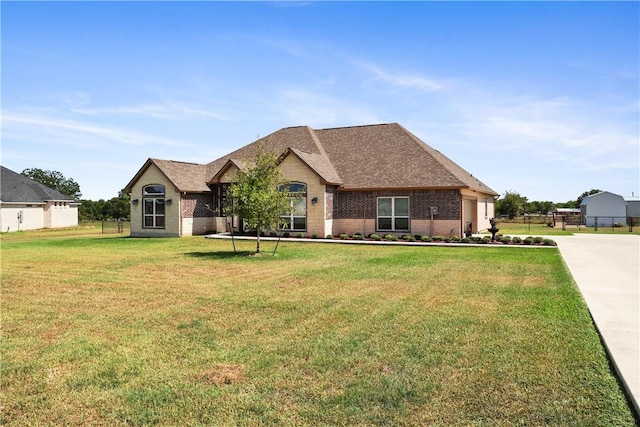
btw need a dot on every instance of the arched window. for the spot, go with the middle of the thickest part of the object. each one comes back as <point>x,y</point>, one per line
<point>153,206</point>
<point>297,219</point>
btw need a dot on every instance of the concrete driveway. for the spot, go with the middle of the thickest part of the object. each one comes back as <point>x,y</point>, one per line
<point>606,268</point>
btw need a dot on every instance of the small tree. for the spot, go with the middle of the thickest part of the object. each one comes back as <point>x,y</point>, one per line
<point>256,195</point>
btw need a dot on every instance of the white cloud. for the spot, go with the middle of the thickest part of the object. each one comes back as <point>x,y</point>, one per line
<point>158,111</point>
<point>65,132</point>
<point>402,81</point>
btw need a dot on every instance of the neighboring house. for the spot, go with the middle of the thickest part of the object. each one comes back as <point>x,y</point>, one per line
<point>603,209</point>
<point>366,179</point>
<point>28,205</point>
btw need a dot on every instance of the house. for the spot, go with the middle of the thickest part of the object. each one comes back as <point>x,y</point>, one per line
<point>603,209</point>
<point>28,205</point>
<point>374,178</point>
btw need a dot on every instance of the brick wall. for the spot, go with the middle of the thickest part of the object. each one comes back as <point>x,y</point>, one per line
<point>194,205</point>
<point>363,204</point>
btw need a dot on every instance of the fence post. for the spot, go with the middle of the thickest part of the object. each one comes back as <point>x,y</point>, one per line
<point>596,224</point>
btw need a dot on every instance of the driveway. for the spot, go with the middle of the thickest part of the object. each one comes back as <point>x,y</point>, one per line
<point>606,268</point>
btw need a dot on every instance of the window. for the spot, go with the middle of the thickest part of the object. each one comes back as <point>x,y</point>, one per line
<point>297,219</point>
<point>393,213</point>
<point>153,206</point>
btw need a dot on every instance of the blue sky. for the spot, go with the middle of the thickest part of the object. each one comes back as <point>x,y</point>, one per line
<point>541,98</point>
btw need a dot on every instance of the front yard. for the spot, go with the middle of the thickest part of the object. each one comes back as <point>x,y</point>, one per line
<point>121,331</point>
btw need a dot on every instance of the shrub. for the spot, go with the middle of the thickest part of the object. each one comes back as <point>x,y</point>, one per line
<point>391,237</point>
<point>505,239</point>
<point>299,235</point>
<point>329,236</point>
<point>314,236</point>
<point>344,236</point>
<point>358,236</point>
<point>455,239</point>
<point>410,239</point>
<point>374,236</point>
<point>516,240</point>
<point>549,242</point>
<point>286,234</point>
<point>273,234</point>
<point>485,239</point>
<point>426,239</point>
<point>465,240</point>
<point>528,241</point>
<point>437,238</point>
<point>476,239</point>
<point>538,239</point>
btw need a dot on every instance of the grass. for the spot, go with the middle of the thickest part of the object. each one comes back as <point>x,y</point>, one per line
<point>108,330</point>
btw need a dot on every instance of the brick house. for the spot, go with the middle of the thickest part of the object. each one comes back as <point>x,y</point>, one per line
<point>366,179</point>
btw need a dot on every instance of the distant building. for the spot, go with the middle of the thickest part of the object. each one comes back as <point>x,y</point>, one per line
<point>633,207</point>
<point>28,205</point>
<point>604,209</point>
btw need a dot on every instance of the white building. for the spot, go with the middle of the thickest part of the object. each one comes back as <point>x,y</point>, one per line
<point>604,209</point>
<point>28,205</point>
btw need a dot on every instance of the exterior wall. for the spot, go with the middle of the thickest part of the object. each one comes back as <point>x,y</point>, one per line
<point>483,210</point>
<point>197,218</point>
<point>609,208</point>
<point>294,169</point>
<point>32,217</point>
<point>633,207</point>
<point>60,214</point>
<point>355,211</point>
<point>172,211</point>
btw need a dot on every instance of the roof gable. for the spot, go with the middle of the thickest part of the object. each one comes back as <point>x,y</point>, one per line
<point>185,177</point>
<point>15,187</point>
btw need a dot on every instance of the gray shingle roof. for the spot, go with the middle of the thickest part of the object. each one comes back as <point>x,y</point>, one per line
<point>15,187</point>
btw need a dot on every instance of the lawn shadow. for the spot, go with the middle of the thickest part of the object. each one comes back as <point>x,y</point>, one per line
<point>220,254</point>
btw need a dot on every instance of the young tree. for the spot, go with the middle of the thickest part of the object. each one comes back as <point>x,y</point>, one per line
<point>55,180</point>
<point>256,195</point>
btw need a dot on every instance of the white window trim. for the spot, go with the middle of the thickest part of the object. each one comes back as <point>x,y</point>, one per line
<point>393,213</point>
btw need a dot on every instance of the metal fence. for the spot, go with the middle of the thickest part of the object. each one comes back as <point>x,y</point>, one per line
<point>600,222</point>
<point>115,226</point>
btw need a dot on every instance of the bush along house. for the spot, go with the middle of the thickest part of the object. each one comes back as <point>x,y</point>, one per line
<point>362,179</point>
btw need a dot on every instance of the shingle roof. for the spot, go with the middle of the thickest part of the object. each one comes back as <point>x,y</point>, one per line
<point>371,157</point>
<point>15,187</point>
<point>186,177</point>
<point>365,157</point>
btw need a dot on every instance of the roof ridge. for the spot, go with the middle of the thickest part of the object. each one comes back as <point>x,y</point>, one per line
<point>358,126</point>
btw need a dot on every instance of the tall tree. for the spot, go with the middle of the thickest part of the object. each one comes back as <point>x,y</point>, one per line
<point>55,180</point>
<point>256,196</point>
<point>512,204</point>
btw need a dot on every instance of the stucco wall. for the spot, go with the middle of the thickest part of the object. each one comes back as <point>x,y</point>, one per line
<point>32,217</point>
<point>60,214</point>
<point>172,211</point>
<point>484,205</point>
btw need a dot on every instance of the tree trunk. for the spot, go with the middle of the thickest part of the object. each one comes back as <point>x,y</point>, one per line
<point>257,241</point>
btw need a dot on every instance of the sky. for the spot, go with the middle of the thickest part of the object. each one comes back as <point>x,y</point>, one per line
<point>538,98</point>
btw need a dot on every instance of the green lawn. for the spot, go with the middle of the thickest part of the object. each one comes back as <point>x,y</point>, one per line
<point>122,331</point>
